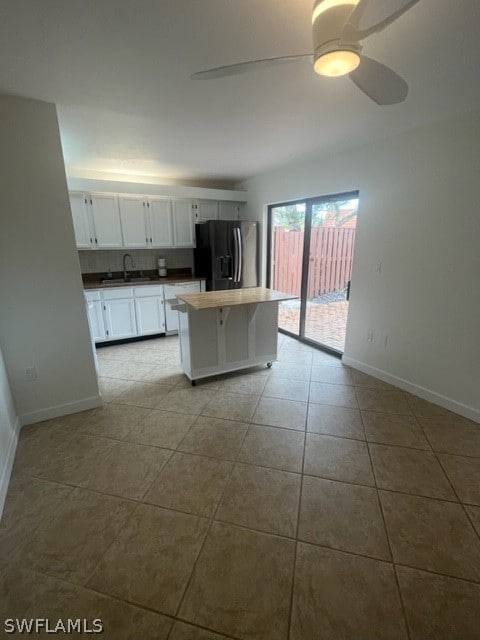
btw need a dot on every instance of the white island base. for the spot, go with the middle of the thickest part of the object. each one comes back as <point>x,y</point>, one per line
<point>223,331</point>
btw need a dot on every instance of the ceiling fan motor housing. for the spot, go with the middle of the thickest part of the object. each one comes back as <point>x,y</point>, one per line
<point>329,20</point>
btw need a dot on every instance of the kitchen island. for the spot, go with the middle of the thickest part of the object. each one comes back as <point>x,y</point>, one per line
<point>222,331</point>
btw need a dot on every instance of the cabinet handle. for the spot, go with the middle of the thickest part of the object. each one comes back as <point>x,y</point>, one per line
<point>96,241</point>
<point>146,240</point>
<point>150,240</point>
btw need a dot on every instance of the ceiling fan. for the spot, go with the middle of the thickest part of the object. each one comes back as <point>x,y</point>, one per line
<point>338,28</point>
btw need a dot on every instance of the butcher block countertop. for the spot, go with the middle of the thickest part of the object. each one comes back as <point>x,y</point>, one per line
<point>233,297</point>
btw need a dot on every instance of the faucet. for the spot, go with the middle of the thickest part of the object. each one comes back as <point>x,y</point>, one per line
<point>127,255</point>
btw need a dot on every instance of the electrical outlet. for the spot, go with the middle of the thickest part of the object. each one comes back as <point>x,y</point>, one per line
<point>30,374</point>
<point>378,267</point>
<point>370,336</point>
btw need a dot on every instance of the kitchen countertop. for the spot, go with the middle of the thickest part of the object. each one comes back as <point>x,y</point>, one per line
<point>230,298</point>
<point>140,283</point>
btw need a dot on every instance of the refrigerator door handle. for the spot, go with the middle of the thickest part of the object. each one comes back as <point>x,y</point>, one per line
<point>240,255</point>
<point>235,255</point>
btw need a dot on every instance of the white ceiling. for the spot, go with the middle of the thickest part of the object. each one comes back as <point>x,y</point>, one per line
<point>119,72</point>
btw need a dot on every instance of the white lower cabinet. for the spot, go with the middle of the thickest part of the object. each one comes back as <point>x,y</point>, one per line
<point>149,307</point>
<point>128,312</point>
<point>95,316</point>
<point>170,293</point>
<point>119,308</point>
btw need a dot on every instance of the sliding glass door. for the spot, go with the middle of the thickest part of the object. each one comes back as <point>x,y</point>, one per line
<point>310,256</point>
<point>288,224</point>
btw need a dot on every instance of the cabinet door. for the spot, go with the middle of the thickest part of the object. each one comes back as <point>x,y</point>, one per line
<point>81,223</point>
<point>134,222</point>
<point>183,225</point>
<point>171,318</point>
<point>120,318</point>
<point>234,334</point>
<point>161,225</point>
<point>206,210</point>
<point>170,293</point>
<point>229,210</point>
<point>106,217</point>
<point>95,320</point>
<point>150,315</point>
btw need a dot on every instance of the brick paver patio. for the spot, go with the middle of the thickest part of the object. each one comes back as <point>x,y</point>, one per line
<point>325,323</point>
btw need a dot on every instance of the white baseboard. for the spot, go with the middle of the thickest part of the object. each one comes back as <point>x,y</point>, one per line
<point>8,464</point>
<point>61,410</point>
<point>422,392</point>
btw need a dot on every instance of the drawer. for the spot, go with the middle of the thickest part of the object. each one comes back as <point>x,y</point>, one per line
<point>91,296</point>
<point>148,291</point>
<point>116,294</point>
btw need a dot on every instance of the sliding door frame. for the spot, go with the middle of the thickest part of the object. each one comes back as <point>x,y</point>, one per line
<point>309,203</point>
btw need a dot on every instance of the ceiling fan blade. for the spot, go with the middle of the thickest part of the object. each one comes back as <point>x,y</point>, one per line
<point>370,16</point>
<point>244,67</point>
<point>378,82</point>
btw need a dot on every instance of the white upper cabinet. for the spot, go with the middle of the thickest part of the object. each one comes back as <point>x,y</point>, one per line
<point>106,218</point>
<point>160,221</point>
<point>116,221</point>
<point>206,210</point>
<point>133,216</point>
<point>183,223</point>
<point>230,210</point>
<point>79,206</point>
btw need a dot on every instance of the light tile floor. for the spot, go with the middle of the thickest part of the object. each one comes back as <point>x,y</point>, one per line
<point>303,502</point>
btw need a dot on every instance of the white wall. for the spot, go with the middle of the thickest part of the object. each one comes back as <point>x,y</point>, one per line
<point>9,428</point>
<point>419,215</point>
<point>76,183</point>
<point>43,321</point>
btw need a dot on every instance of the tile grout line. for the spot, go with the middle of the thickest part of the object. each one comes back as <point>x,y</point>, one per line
<point>465,511</point>
<point>115,598</point>
<point>294,568</point>
<point>262,531</point>
<point>212,520</point>
<point>379,502</point>
<point>90,576</point>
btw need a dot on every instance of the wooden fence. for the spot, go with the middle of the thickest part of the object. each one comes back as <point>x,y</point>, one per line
<point>331,257</point>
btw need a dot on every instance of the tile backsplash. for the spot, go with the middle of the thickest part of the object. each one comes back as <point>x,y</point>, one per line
<point>104,261</point>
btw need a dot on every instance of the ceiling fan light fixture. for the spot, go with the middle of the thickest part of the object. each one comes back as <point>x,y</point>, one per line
<point>336,63</point>
<point>321,6</point>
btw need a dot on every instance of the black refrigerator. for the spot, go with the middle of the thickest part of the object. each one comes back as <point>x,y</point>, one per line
<point>226,254</point>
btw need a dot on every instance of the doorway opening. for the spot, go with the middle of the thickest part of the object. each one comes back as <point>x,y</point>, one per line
<point>310,255</point>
